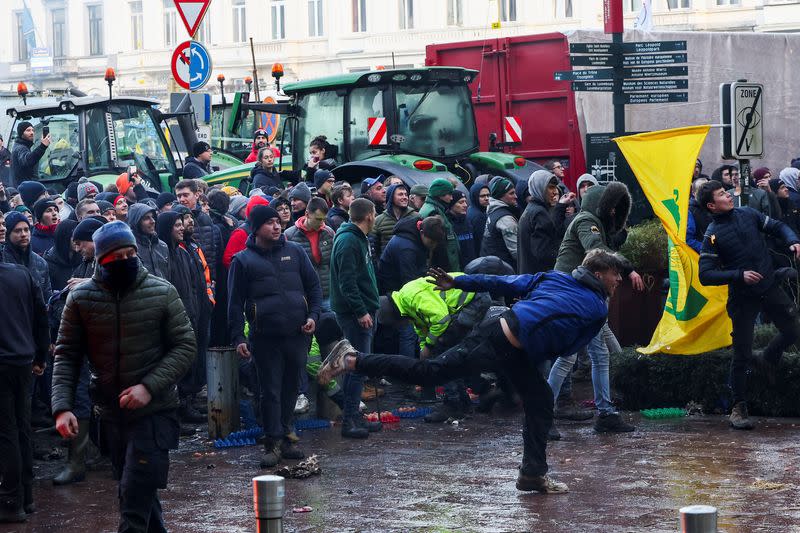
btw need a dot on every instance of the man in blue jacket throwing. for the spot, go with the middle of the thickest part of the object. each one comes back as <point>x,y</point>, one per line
<point>557,313</point>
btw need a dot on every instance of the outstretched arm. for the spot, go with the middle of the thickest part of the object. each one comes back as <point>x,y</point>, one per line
<point>510,286</point>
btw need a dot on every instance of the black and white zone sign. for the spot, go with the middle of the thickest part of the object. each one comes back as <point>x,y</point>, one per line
<point>747,120</point>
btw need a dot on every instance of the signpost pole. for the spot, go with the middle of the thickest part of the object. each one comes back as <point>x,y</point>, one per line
<point>613,13</point>
<point>255,70</point>
<point>744,180</point>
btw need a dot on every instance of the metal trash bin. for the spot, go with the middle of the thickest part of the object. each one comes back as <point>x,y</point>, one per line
<point>268,500</point>
<point>222,373</point>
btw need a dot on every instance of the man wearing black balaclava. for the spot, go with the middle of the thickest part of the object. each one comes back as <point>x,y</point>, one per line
<point>134,329</point>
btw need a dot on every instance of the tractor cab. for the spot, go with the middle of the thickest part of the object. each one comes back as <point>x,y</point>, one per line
<point>415,123</point>
<point>100,138</point>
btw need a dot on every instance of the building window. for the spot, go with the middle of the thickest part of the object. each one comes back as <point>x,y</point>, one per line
<point>508,10</point>
<point>59,32</point>
<point>239,21</point>
<point>137,25</point>
<point>359,15</point>
<point>406,8</point>
<point>455,13</point>
<point>95,30</point>
<point>679,4</point>
<point>170,26</point>
<point>728,2</point>
<point>315,26</point>
<point>204,31</point>
<point>278,19</point>
<point>568,9</point>
<point>22,42</point>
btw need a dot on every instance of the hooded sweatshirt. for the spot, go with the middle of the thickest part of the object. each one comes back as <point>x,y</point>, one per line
<point>61,260</point>
<point>541,227</point>
<point>557,313</point>
<point>790,177</point>
<point>476,215</point>
<point>153,252</point>
<point>583,179</point>
<point>404,258</point>
<point>385,222</point>
<point>183,272</point>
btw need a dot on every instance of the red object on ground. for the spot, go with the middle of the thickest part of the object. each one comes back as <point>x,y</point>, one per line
<point>387,417</point>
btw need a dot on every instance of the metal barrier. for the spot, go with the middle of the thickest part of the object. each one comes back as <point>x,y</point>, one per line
<point>222,373</point>
<point>268,500</point>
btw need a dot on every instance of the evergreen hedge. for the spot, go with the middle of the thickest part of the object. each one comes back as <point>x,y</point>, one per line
<point>654,381</point>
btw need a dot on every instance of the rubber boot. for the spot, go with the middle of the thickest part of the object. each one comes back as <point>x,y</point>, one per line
<point>272,453</point>
<point>76,457</point>
<point>188,414</point>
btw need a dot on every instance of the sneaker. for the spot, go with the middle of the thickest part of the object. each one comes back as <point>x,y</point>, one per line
<point>443,413</point>
<point>553,433</point>
<point>301,406</point>
<point>272,454</point>
<point>333,365</point>
<point>352,430</point>
<point>543,484</point>
<point>612,423</point>
<point>739,418</point>
<point>570,410</point>
<point>289,450</point>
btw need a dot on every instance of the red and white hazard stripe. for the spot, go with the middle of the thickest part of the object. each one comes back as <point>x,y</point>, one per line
<point>512,129</point>
<point>376,128</point>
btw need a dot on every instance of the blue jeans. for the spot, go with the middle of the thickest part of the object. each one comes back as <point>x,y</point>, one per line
<point>353,383</point>
<point>599,356</point>
<point>408,342</point>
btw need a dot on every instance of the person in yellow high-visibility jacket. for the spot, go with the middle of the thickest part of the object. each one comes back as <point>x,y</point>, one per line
<point>441,319</point>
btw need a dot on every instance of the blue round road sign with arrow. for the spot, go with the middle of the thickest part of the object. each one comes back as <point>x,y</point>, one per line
<point>191,65</point>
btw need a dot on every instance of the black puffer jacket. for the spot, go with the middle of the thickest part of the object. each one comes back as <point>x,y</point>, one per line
<point>278,289</point>
<point>153,252</point>
<point>141,336</point>
<point>208,237</point>
<point>734,243</point>
<point>325,243</point>
<point>35,264</point>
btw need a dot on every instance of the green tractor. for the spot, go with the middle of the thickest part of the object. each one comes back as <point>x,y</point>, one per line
<point>100,138</point>
<point>429,119</point>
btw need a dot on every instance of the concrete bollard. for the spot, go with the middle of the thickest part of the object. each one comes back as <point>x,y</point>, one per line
<point>698,519</point>
<point>222,373</point>
<point>268,494</point>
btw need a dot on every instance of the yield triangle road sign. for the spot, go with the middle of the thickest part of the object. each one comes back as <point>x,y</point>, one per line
<point>192,13</point>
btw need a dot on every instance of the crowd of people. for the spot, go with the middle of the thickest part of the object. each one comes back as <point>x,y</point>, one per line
<point>119,292</point>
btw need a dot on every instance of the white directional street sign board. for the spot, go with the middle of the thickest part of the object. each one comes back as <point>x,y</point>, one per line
<point>747,120</point>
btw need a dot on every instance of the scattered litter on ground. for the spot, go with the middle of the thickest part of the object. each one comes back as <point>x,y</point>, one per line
<point>305,468</point>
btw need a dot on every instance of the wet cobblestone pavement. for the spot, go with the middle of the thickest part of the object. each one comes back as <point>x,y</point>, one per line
<point>415,476</point>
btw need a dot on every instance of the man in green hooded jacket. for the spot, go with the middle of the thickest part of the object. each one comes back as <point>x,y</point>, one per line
<point>440,194</point>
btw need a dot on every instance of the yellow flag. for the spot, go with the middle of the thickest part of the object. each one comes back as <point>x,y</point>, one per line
<point>695,319</point>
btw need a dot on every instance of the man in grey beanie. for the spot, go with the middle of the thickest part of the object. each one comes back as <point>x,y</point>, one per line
<point>299,196</point>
